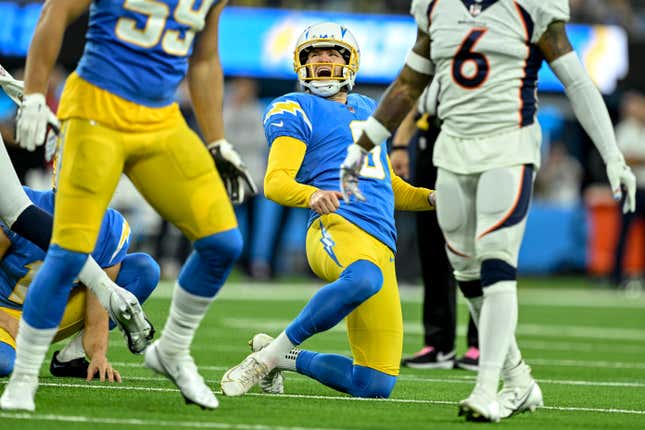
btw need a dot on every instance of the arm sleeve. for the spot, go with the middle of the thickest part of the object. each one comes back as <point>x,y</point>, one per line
<point>408,197</point>
<point>280,185</point>
<point>587,104</point>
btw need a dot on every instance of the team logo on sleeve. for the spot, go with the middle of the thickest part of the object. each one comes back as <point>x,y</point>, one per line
<point>287,106</point>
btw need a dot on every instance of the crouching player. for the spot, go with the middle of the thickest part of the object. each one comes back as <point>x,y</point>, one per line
<point>351,246</point>
<point>84,317</point>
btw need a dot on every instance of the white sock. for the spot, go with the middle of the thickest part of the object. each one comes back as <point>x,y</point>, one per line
<point>497,324</point>
<point>276,350</point>
<point>97,281</point>
<point>186,312</point>
<point>31,346</point>
<point>73,350</point>
<point>288,361</point>
<point>513,357</point>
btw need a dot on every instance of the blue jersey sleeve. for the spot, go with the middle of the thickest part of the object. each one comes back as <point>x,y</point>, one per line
<point>113,241</point>
<point>287,116</point>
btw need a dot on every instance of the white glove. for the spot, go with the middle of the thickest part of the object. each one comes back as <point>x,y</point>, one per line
<point>34,117</point>
<point>350,171</point>
<point>231,168</point>
<point>620,175</point>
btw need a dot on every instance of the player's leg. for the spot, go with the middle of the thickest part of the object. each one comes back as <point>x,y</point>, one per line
<point>7,345</point>
<point>503,198</point>
<point>337,255</point>
<point>189,194</point>
<point>88,173</point>
<point>138,274</point>
<point>17,211</point>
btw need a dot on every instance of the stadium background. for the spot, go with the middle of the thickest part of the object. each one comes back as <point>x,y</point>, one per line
<point>573,223</point>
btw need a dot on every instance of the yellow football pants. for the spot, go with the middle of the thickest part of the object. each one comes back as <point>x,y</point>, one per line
<point>72,322</point>
<point>375,328</point>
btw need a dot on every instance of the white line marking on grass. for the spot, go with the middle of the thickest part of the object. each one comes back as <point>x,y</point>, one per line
<point>343,398</point>
<point>471,379</point>
<point>146,422</point>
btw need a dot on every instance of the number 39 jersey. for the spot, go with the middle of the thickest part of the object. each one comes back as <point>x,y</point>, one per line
<point>486,60</point>
<point>139,49</point>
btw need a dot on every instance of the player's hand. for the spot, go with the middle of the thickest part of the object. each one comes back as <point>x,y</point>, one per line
<point>350,171</point>
<point>325,202</point>
<point>231,168</point>
<point>102,366</point>
<point>34,120</point>
<point>622,179</point>
<point>400,160</point>
<point>432,199</point>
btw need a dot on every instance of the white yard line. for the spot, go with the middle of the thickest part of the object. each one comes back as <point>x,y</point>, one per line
<point>555,297</point>
<point>147,422</point>
<point>340,398</point>
<point>539,330</point>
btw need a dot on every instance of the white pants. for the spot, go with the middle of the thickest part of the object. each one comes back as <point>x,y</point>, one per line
<point>13,199</point>
<point>483,216</point>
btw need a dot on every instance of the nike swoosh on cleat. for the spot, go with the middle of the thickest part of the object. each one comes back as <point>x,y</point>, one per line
<point>278,124</point>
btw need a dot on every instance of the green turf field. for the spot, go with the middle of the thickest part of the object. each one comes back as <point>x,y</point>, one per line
<point>586,347</point>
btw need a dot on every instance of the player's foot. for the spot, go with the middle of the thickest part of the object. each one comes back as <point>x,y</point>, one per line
<point>429,358</point>
<point>479,407</point>
<point>238,380</point>
<point>19,393</point>
<point>520,392</point>
<point>273,383</point>
<point>182,371</point>
<point>76,368</point>
<point>469,361</point>
<point>127,314</point>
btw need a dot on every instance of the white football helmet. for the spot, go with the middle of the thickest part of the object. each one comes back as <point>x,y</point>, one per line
<point>326,35</point>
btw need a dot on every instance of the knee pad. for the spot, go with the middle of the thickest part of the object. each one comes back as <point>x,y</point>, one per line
<point>7,358</point>
<point>495,270</point>
<point>226,245</point>
<point>366,279</point>
<point>371,383</point>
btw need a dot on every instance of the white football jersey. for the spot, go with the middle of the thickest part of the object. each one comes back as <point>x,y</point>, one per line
<point>486,62</point>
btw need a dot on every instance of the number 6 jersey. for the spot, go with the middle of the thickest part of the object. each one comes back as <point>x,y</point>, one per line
<point>487,63</point>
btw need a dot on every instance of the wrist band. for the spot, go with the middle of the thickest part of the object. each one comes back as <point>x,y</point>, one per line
<point>376,131</point>
<point>399,148</point>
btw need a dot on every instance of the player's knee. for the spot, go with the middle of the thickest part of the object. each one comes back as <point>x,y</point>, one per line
<point>222,247</point>
<point>366,279</point>
<point>495,270</point>
<point>7,358</point>
<point>370,383</point>
<point>147,270</point>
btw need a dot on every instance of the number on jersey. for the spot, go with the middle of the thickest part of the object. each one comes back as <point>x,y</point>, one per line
<point>465,55</point>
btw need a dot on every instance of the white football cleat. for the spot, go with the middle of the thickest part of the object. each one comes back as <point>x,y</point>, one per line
<point>238,380</point>
<point>127,314</point>
<point>182,371</point>
<point>520,392</point>
<point>478,407</point>
<point>273,383</point>
<point>19,393</point>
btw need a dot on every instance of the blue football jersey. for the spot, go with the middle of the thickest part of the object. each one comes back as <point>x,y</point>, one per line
<point>23,259</point>
<point>328,128</point>
<point>139,49</point>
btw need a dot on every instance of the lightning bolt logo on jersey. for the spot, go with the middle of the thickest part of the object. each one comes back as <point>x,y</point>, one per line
<point>336,127</point>
<point>120,30</point>
<point>22,260</point>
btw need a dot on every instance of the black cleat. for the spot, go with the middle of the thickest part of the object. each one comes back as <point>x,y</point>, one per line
<point>429,358</point>
<point>76,368</point>
<point>469,361</point>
